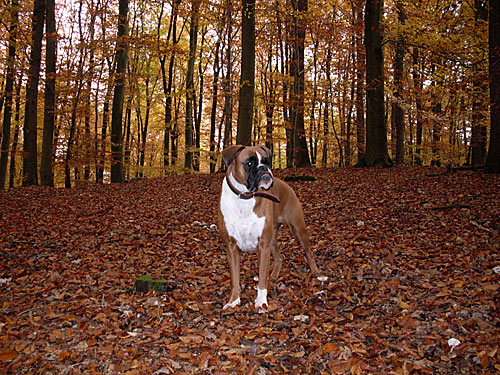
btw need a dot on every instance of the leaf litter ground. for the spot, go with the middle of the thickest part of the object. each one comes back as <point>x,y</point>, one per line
<point>412,256</point>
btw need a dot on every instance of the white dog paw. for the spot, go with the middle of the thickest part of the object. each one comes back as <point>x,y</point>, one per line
<point>261,300</point>
<point>232,305</point>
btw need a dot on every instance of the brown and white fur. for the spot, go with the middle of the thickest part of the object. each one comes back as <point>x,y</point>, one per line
<point>252,224</point>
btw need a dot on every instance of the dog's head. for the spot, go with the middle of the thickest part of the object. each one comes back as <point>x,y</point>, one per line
<point>252,166</point>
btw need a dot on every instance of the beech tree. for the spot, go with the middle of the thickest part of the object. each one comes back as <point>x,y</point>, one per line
<point>297,73</point>
<point>247,80</point>
<point>376,128</point>
<point>30,146</point>
<point>398,114</point>
<point>46,171</point>
<point>493,159</point>
<point>9,91</point>
<point>310,104</point>
<point>190,95</point>
<point>117,174</point>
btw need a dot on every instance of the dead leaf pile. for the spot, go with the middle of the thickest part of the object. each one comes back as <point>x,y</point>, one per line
<point>412,256</point>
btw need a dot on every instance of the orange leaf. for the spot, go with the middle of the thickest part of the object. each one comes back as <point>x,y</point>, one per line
<point>8,355</point>
<point>330,347</point>
<point>63,355</point>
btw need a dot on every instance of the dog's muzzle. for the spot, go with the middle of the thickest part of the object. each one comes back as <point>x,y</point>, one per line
<point>266,180</point>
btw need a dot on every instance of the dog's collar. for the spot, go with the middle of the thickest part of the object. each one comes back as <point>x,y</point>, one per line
<point>248,194</point>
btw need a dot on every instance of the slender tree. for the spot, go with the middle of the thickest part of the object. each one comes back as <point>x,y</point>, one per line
<point>13,151</point>
<point>398,114</point>
<point>360,78</point>
<point>297,72</point>
<point>247,78</point>
<point>376,130</point>
<point>493,159</point>
<point>190,95</point>
<point>46,170</point>
<point>117,174</point>
<point>418,89</point>
<point>480,89</point>
<point>30,148</point>
<point>215,90</point>
<point>9,91</point>
<point>228,85</point>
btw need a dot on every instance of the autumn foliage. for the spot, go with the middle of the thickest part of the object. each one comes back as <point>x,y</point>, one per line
<point>411,254</point>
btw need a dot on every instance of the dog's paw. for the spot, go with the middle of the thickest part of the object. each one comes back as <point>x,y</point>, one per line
<point>261,300</point>
<point>232,305</point>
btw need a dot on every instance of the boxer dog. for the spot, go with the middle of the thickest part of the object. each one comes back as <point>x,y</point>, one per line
<point>252,207</point>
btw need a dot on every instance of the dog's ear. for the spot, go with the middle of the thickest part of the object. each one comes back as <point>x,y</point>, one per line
<point>267,151</point>
<point>230,153</point>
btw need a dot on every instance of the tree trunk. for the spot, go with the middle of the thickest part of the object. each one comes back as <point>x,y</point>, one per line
<point>326,115</point>
<point>13,152</point>
<point>493,159</point>
<point>398,111</point>
<point>376,129</point>
<point>297,72</point>
<point>215,90</point>
<point>30,148</point>
<point>479,95</point>
<point>190,95</point>
<point>417,87</point>
<point>118,95</point>
<point>71,138</point>
<point>104,127</point>
<point>228,86</point>
<point>247,79</point>
<point>168,82</point>
<point>46,169</point>
<point>9,92</point>
<point>198,109</point>
<point>283,45</point>
<point>360,103</point>
<point>436,121</point>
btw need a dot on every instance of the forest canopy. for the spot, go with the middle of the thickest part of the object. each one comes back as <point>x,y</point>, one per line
<point>157,87</point>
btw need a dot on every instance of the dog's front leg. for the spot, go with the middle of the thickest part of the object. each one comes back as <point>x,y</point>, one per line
<point>233,257</point>
<point>264,259</point>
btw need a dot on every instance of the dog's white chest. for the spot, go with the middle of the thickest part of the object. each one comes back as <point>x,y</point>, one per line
<point>241,221</point>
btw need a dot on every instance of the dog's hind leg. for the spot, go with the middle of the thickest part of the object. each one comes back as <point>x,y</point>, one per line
<point>300,232</point>
<point>277,257</point>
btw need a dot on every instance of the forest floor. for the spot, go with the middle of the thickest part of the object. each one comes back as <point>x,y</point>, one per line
<point>412,255</point>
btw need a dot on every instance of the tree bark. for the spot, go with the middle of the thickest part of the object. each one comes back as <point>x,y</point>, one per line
<point>13,151</point>
<point>46,169</point>
<point>398,111</point>
<point>190,95</point>
<point>228,86</point>
<point>30,148</point>
<point>360,78</point>
<point>9,91</point>
<point>479,95</point>
<point>198,108</point>
<point>215,90</point>
<point>118,95</point>
<point>247,78</point>
<point>376,153</point>
<point>168,81</point>
<point>297,71</point>
<point>418,89</point>
<point>493,159</point>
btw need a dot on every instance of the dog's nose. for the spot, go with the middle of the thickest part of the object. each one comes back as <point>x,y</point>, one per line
<point>266,178</point>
